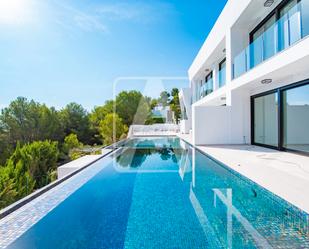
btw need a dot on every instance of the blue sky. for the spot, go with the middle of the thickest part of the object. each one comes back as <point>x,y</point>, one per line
<point>59,51</point>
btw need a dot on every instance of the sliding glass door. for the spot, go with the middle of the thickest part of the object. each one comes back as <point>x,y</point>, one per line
<point>266,120</point>
<point>280,119</point>
<point>296,118</point>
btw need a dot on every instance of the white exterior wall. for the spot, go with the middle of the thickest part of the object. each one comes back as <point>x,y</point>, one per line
<point>228,17</point>
<point>212,130</point>
<point>213,123</point>
<point>223,124</point>
<point>185,96</point>
<point>240,117</point>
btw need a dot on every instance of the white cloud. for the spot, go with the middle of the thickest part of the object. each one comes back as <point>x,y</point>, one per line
<point>120,11</point>
<point>137,11</point>
<point>89,23</point>
<point>99,17</point>
<point>68,16</point>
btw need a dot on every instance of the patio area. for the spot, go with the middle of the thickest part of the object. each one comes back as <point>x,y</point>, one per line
<point>283,173</point>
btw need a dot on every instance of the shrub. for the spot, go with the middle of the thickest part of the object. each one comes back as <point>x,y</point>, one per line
<point>29,168</point>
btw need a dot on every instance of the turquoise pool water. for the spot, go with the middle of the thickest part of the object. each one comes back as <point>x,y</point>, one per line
<point>162,193</point>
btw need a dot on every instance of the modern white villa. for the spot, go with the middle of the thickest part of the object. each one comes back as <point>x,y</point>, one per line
<point>249,83</point>
<point>233,174</point>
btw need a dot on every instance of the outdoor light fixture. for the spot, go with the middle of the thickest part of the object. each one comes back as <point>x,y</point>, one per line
<point>224,50</point>
<point>206,70</point>
<point>266,81</point>
<point>268,3</point>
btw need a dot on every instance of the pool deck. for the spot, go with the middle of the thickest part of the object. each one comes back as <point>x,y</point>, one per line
<point>283,173</point>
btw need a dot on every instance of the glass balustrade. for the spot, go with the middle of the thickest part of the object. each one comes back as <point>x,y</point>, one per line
<point>290,28</point>
<point>204,89</point>
<point>222,77</point>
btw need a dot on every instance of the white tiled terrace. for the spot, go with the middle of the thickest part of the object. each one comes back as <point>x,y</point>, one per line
<point>283,173</point>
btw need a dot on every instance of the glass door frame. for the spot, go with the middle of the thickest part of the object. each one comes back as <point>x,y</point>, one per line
<point>253,97</point>
<point>280,112</point>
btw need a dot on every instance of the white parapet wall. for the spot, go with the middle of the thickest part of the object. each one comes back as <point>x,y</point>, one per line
<point>211,125</point>
<point>185,106</point>
<point>79,163</point>
<point>185,126</point>
<point>153,130</point>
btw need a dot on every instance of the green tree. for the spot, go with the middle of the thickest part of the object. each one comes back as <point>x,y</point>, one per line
<point>97,115</point>
<point>71,146</point>
<point>75,120</point>
<point>71,142</point>
<point>31,166</point>
<point>20,120</point>
<point>6,148</point>
<point>175,105</point>
<point>39,158</point>
<point>111,127</point>
<point>164,98</point>
<point>15,183</point>
<point>153,103</point>
<point>132,107</point>
<point>49,124</point>
<point>26,121</point>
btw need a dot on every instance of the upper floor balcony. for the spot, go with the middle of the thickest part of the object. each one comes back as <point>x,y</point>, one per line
<point>279,30</point>
<point>204,87</point>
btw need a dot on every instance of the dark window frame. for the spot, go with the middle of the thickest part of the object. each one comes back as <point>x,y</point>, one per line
<point>275,11</point>
<point>252,117</point>
<point>279,91</point>
<point>220,64</point>
<point>220,67</point>
<point>208,76</point>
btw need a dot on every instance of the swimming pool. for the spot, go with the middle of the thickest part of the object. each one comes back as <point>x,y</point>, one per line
<point>163,193</point>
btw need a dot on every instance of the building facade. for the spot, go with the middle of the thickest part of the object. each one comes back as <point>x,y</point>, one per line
<point>249,83</point>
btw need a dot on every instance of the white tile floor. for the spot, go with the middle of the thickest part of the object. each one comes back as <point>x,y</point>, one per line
<point>283,173</point>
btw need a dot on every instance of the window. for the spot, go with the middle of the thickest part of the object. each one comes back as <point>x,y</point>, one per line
<point>208,84</point>
<point>222,73</point>
<point>285,25</point>
<point>296,118</point>
<point>304,6</point>
<point>280,118</point>
<point>266,119</point>
<point>289,24</point>
<point>263,44</point>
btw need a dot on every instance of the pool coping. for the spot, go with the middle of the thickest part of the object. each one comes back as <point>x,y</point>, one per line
<point>20,203</point>
<point>289,206</point>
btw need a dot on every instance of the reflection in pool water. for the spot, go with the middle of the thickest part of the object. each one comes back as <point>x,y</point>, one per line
<point>162,193</point>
